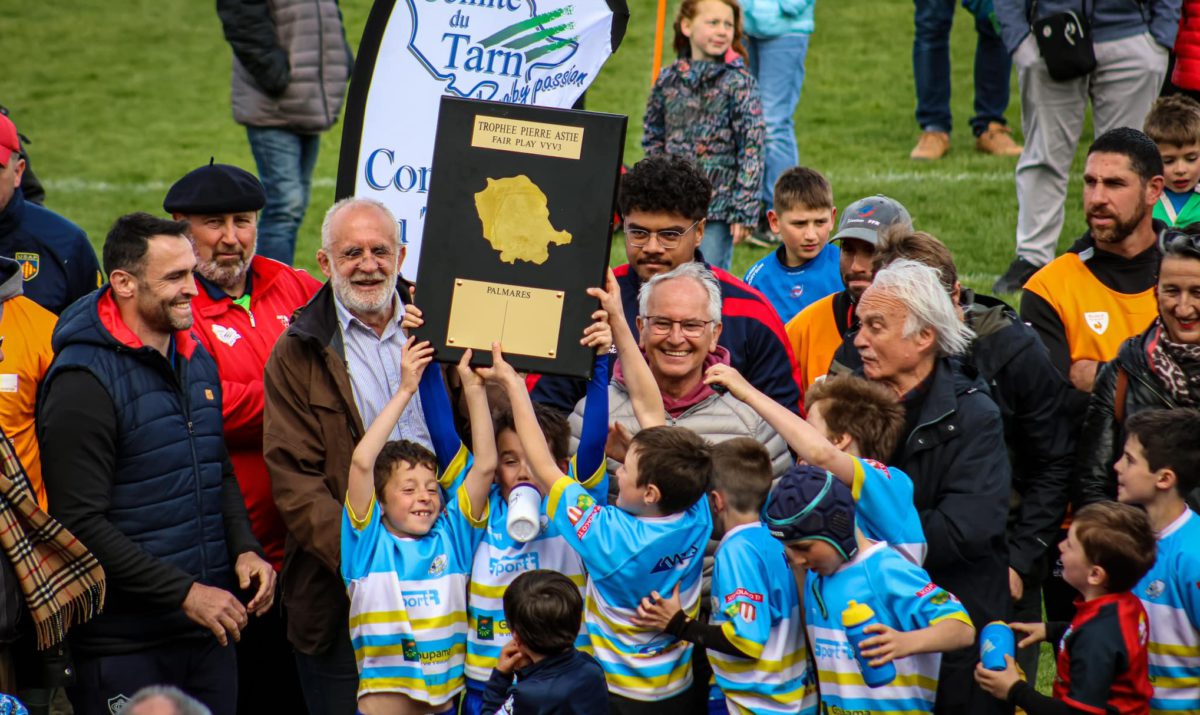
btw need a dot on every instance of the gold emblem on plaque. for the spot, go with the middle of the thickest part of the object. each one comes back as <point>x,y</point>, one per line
<point>516,220</point>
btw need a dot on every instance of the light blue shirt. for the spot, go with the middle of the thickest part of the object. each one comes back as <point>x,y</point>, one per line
<point>373,362</point>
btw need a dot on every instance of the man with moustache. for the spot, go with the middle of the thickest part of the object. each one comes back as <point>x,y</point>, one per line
<point>664,201</point>
<point>243,304</point>
<point>135,466</point>
<point>330,374</point>
<point>1086,302</point>
<point>817,331</point>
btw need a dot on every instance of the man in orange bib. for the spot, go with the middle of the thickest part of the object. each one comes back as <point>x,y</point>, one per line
<point>1086,302</point>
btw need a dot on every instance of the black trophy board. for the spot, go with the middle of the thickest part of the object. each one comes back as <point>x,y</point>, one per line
<point>518,226</point>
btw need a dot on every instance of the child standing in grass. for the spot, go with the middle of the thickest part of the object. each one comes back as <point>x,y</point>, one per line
<point>706,107</point>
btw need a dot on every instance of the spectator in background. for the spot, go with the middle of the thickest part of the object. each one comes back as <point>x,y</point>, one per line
<point>706,105</point>
<point>1086,302</point>
<point>291,64</point>
<point>931,72</point>
<point>1158,369</point>
<point>663,201</point>
<point>805,268</point>
<point>333,370</point>
<point>135,466</point>
<point>27,327</point>
<point>243,304</point>
<point>163,700</point>
<point>817,331</point>
<point>30,186</point>
<point>57,261</point>
<point>952,447</point>
<point>1131,40</point>
<point>777,34</point>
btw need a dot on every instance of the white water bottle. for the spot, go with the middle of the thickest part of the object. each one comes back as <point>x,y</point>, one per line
<point>524,510</point>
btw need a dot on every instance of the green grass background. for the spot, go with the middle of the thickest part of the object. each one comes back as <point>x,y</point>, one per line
<point>122,98</point>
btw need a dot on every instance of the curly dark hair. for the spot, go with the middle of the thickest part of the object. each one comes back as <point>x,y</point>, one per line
<point>665,183</point>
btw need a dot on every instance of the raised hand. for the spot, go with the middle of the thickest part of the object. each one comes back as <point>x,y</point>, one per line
<point>413,361</point>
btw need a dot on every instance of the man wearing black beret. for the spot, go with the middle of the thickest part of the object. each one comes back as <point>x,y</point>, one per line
<point>244,303</point>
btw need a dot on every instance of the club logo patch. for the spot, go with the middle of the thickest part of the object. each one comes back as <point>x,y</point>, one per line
<point>1155,588</point>
<point>30,263</point>
<point>438,565</point>
<point>116,704</point>
<point>229,336</point>
<point>1097,321</point>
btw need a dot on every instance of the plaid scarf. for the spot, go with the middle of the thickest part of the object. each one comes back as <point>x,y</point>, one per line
<point>61,580</point>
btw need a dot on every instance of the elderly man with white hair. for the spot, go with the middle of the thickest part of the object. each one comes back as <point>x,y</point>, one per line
<point>679,321</point>
<point>952,447</point>
<point>330,374</point>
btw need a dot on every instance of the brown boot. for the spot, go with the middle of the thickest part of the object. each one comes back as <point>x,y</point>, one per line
<point>997,140</point>
<point>931,145</point>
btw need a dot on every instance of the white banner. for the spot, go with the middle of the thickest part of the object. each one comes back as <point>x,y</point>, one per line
<point>543,52</point>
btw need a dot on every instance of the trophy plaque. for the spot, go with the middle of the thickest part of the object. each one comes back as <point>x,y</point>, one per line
<point>518,226</point>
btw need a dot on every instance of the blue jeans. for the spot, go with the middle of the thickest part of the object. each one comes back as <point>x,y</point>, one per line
<point>285,163</point>
<point>931,68</point>
<point>778,66</point>
<point>717,244</point>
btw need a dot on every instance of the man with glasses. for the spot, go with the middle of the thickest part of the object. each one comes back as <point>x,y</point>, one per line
<point>330,374</point>
<point>664,200</point>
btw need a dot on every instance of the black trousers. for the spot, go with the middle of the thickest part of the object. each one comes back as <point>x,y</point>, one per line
<point>200,667</point>
<point>267,679</point>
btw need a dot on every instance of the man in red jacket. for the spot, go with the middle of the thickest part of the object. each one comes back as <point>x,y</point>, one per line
<point>244,304</point>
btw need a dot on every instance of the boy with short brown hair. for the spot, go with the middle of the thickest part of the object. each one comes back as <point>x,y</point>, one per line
<point>1174,125</point>
<point>1102,653</point>
<point>805,267</point>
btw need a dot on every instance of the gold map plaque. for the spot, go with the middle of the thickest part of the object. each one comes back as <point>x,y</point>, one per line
<point>516,220</point>
<point>524,320</point>
<point>561,141</point>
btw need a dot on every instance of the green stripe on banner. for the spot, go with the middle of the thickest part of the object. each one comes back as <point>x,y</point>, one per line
<point>522,26</point>
<point>528,40</point>
<point>533,54</point>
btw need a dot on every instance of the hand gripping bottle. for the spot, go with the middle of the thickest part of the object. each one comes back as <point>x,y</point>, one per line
<point>996,641</point>
<point>855,618</point>
<point>524,510</point>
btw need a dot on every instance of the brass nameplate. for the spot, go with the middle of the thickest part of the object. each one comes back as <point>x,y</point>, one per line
<point>557,140</point>
<point>523,320</point>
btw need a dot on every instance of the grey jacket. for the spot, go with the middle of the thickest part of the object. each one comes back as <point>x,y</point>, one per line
<point>715,418</point>
<point>1109,19</point>
<point>291,62</point>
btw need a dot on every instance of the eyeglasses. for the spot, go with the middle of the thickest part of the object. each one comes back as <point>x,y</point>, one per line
<point>667,238</point>
<point>663,326</point>
<point>1178,242</point>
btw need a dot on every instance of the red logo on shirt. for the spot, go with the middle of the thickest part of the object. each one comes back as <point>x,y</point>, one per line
<point>881,467</point>
<point>928,589</point>
<point>743,593</point>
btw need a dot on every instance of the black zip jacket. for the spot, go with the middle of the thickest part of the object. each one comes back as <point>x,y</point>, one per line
<point>570,683</point>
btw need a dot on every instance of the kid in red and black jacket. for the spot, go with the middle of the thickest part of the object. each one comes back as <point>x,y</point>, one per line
<point>1102,654</point>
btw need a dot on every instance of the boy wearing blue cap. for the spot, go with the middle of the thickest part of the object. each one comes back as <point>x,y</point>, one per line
<point>812,513</point>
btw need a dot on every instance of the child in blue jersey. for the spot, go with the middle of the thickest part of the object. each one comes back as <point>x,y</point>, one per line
<point>1160,466</point>
<point>755,640</point>
<point>806,266</point>
<point>500,558</point>
<point>812,513</point>
<point>1173,123</point>
<point>852,426</point>
<point>544,611</point>
<point>653,539</point>
<point>405,560</point>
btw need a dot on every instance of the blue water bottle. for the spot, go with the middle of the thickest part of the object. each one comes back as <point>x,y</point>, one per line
<point>996,641</point>
<point>855,618</point>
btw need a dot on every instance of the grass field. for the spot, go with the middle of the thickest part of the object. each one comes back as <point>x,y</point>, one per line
<point>122,98</point>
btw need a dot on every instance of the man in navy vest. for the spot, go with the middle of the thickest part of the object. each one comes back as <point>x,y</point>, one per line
<point>135,463</point>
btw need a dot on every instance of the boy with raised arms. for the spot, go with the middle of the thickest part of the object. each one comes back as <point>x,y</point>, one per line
<point>405,560</point>
<point>653,539</point>
<point>755,639</point>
